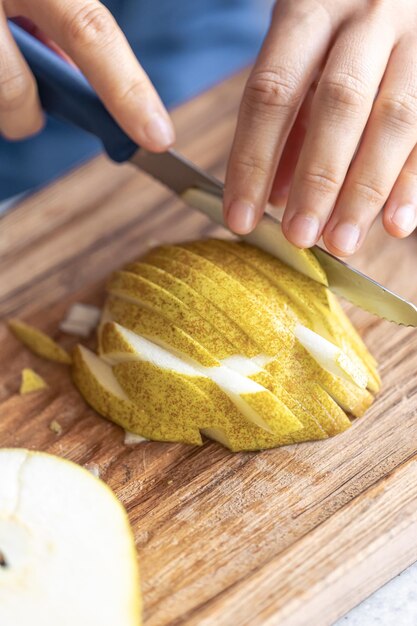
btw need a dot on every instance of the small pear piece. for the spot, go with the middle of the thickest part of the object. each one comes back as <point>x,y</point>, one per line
<point>39,343</point>
<point>68,553</point>
<point>31,381</point>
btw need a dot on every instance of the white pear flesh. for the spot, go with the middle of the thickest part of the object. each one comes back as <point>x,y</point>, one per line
<point>237,387</point>
<point>331,357</point>
<point>68,553</point>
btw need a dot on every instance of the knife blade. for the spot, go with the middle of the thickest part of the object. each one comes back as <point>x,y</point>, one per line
<point>66,94</point>
<point>182,176</point>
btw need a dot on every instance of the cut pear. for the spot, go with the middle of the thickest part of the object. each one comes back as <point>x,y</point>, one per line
<point>222,339</point>
<point>330,357</point>
<point>317,302</point>
<point>154,326</point>
<point>266,235</point>
<point>180,285</point>
<point>272,337</point>
<point>68,553</point>
<point>31,381</point>
<point>39,343</point>
<point>257,404</point>
<point>98,385</point>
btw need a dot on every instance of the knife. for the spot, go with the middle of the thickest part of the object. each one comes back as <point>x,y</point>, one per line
<point>66,94</point>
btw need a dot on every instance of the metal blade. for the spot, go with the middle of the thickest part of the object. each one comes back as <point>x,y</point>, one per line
<point>176,172</point>
<point>181,175</point>
<point>365,292</point>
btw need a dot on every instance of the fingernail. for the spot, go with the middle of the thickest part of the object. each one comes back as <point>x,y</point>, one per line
<point>345,237</point>
<point>159,131</point>
<point>404,217</point>
<point>241,217</point>
<point>304,230</point>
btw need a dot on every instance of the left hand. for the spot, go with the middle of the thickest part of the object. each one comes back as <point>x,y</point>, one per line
<point>329,119</point>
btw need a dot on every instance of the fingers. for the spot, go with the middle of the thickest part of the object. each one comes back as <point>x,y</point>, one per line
<point>400,213</point>
<point>340,110</point>
<point>390,136</point>
<point>20,111</point>
<point>290,155</point>
<point>292,52</point>
<point>86,30</point>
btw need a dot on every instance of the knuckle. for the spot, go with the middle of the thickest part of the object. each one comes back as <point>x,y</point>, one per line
<point>252,166</point>
<point>399,111</point>
<point>371,192</point>
<point>15,89</point>
<point>90,24</point>
<point>321,179</point>
<point>343,91</point>
<point>273,88</point>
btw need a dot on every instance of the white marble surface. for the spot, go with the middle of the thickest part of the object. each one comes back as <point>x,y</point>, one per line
<point>395,604</point>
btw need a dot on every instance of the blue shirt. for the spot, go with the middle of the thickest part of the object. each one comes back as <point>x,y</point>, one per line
<point>184,45</point>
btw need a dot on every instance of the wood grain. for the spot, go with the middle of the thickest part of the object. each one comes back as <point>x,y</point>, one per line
<point>293,536</point>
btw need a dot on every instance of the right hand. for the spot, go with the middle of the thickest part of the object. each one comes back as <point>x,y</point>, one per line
<point>87,32</point>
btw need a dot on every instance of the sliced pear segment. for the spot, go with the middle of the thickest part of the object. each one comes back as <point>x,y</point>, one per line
<point>100,388</point>
<point>267,235</point>
<point>330,357</point>
<point>231,297</point>
<point>232,342</point>
<point>155,327</point>
<point>68,553</point>
<point>259,323</point>
<point>39,343</point>
<point>257,404</point>
<point>154,297</point>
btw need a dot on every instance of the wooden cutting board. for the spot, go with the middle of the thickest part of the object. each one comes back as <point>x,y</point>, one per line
<point>292,536</point>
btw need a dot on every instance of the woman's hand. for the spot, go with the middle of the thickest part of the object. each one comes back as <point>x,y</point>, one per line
<point>88,34</point>
<point>330,107</point>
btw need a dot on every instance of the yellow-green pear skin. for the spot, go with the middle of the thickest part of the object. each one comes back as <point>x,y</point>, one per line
<point>221,339</point>
<point>271,335</point>
<point>314,298</point>
<point>242,396</point>
<point>154,326</point>
<point>31,381</point>
<point>101,390</point>
<point>39,343</point>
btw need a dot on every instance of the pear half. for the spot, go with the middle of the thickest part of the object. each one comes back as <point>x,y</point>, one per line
<point>67,553</point>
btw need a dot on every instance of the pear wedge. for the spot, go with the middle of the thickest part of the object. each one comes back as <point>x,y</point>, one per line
<point>288,310</point>
<point>317,302</point>
<point>267,235</point>
<point>257,404</point>
<point>39,343</point>
<point>154,326</point>
<point>270,335</point>
<point>100,388</point>
<point>68,553</point>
